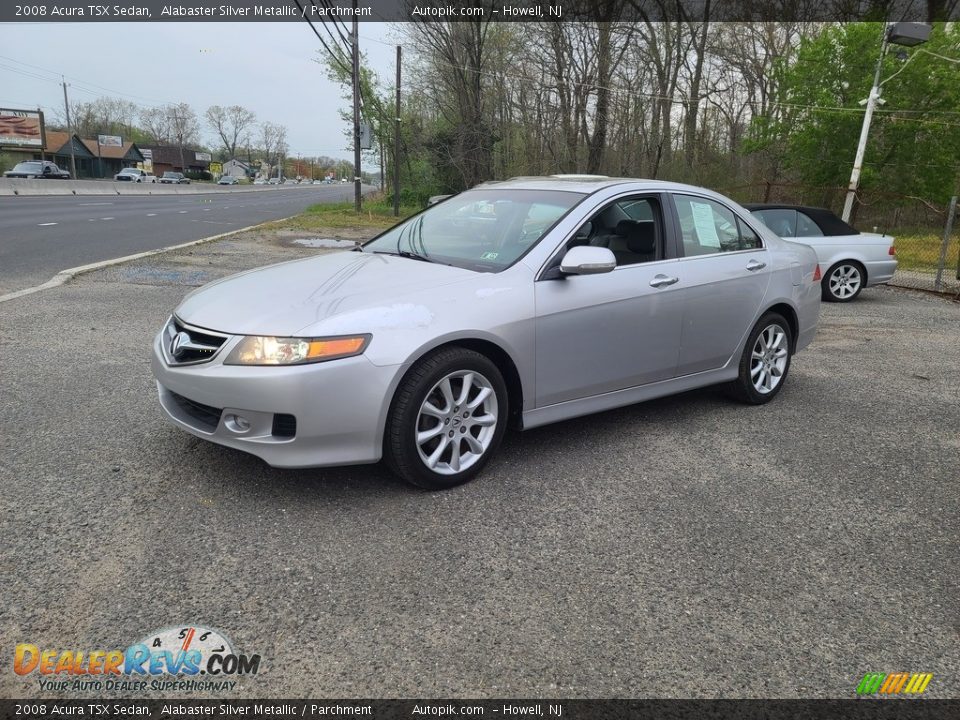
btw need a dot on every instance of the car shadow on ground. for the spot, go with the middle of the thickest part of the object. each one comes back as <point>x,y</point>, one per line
<point>247,473</point>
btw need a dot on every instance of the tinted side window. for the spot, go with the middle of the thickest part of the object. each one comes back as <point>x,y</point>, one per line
<point>782,222</point>
<point>631,229</point>
<point>749,240</point>
<point>707,227</point>
<point>807,227</point>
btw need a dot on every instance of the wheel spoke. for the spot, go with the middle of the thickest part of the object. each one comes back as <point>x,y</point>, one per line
<point>425,435</point>
<point>465,390</point>
<point>484,420</point>
<point>480,398</point>
<point>447,391</point>
<point>475,447</point>
<point>435,455</point>
<point>455,455</point>
<point>761,381</point>
<point>430,409</point>
<point>756,368</point>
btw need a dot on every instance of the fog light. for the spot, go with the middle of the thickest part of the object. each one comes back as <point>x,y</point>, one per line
<point>236,423</point>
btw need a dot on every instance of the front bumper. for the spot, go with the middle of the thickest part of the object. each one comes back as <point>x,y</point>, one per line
<point>340,406</point>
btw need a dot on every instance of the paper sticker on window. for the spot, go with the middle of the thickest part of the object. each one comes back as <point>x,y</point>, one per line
<point>704,225</point>
<point>489,256</point>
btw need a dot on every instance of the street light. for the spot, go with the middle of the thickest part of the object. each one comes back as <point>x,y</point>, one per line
<point>902,33</point>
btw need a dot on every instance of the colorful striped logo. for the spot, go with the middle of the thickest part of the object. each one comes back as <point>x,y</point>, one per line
<point>894,683</point>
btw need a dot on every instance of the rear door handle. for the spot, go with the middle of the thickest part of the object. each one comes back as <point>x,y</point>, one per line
<point>660,281</point>
<point>755,265</point>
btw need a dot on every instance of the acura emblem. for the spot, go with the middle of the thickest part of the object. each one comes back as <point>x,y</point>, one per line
<point>179,343</point>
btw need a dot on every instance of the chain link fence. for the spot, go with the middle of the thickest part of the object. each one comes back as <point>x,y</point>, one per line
<point>926,238</point>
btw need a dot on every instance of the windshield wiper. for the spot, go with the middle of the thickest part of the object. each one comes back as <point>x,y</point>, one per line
<point>404,253</point>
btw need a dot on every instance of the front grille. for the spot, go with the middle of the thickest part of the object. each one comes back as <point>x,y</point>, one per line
<point>194,345</point>
<point>284,425</point>
<point>206,415</point>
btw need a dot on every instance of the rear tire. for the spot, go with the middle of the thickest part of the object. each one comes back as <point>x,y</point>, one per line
<point>843,281</point>
<point>447,419</point>
<point>765,361</point>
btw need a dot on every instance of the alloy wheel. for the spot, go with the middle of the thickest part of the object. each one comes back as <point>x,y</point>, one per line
<point>457,422</point>
<point>845,281</point>
<point>768,362</point>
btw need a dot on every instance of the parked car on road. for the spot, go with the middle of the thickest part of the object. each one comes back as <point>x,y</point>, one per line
<point>260,181</point>
<point>853,260</point>
<point>175,178</point>
<point>37,169</point>
<point>518,303</point>
<point>132,174</point>
<point>228,180</point>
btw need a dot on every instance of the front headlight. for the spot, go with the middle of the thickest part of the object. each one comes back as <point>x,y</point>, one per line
<point>254,350</point>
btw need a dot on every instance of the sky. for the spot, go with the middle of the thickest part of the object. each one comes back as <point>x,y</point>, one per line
<point>266,67</point>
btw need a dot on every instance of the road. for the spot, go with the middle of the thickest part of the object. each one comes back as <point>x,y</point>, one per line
<point>685,547</point>
<point>40,236</point>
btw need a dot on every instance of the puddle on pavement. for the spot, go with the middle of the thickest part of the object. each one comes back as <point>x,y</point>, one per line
<point>164,276</point>
<point>326,243</point>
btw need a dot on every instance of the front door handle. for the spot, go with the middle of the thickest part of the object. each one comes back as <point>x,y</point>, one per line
<point>660,281</point>
<point>755,265</point>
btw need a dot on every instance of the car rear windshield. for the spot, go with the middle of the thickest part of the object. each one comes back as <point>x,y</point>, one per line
<point>483,230</point>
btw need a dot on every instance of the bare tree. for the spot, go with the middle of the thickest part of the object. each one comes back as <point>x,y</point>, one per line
<point>230,124</point>
<point>155,123</point>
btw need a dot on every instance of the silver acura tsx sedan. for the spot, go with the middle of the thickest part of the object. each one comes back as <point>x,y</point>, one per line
<point>516,303</point>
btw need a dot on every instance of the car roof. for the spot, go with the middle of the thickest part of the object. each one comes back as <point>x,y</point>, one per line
<point>826,219</point>
<point>588,184</point>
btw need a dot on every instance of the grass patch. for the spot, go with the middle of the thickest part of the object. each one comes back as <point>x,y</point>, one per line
<point>921,251</point>
<point>375,215</point>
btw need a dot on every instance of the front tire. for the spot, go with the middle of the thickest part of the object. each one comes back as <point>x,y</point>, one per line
<point>447,419</point>
<point>843,281</point>
<point>765,361</point>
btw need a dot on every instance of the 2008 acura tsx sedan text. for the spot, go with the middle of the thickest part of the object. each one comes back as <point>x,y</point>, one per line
<point>518,303</point>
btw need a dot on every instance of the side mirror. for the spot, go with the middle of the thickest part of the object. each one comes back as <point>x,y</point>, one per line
<point>587,260</point>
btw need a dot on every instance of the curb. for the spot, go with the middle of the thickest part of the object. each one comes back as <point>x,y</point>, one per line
<point>66,275</point>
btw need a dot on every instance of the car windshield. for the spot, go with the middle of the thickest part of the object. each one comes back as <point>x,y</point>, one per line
<point>483,230</point>
<point>171,174</point>
<point>28,167</point>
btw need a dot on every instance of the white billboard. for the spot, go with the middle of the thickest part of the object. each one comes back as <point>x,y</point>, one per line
<point>109,141</point>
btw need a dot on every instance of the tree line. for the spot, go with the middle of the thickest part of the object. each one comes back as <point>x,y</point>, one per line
<point>735,106</point>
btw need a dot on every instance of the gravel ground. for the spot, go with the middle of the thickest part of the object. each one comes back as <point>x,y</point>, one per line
<point>686,547</point>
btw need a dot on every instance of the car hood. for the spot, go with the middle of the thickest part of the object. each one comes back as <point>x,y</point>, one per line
<point>284,299</point>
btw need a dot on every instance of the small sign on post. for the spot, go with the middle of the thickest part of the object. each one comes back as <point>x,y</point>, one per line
<point>366,136</point>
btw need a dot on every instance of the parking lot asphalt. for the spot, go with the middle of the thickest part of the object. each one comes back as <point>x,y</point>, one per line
<point>686,547</point>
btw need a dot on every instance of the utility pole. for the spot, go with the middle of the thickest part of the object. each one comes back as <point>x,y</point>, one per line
<point>864,134</point>
<point>396,146</point>
<point>907,34</point>
<point>66,108</point>
<point>356,107</point>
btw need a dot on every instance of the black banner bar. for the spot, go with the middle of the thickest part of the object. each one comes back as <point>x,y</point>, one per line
<point>471,10</point>
<point>862,709</point>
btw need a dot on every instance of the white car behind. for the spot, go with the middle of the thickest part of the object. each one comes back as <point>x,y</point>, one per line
<point>853,260</point>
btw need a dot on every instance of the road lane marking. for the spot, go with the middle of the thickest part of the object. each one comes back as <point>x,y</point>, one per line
<point>107,218</point>
<point>181,211</point>
<point>66,275</point>
<point>45,224</point>
<point>91,204</point>
<point>151,214</point>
